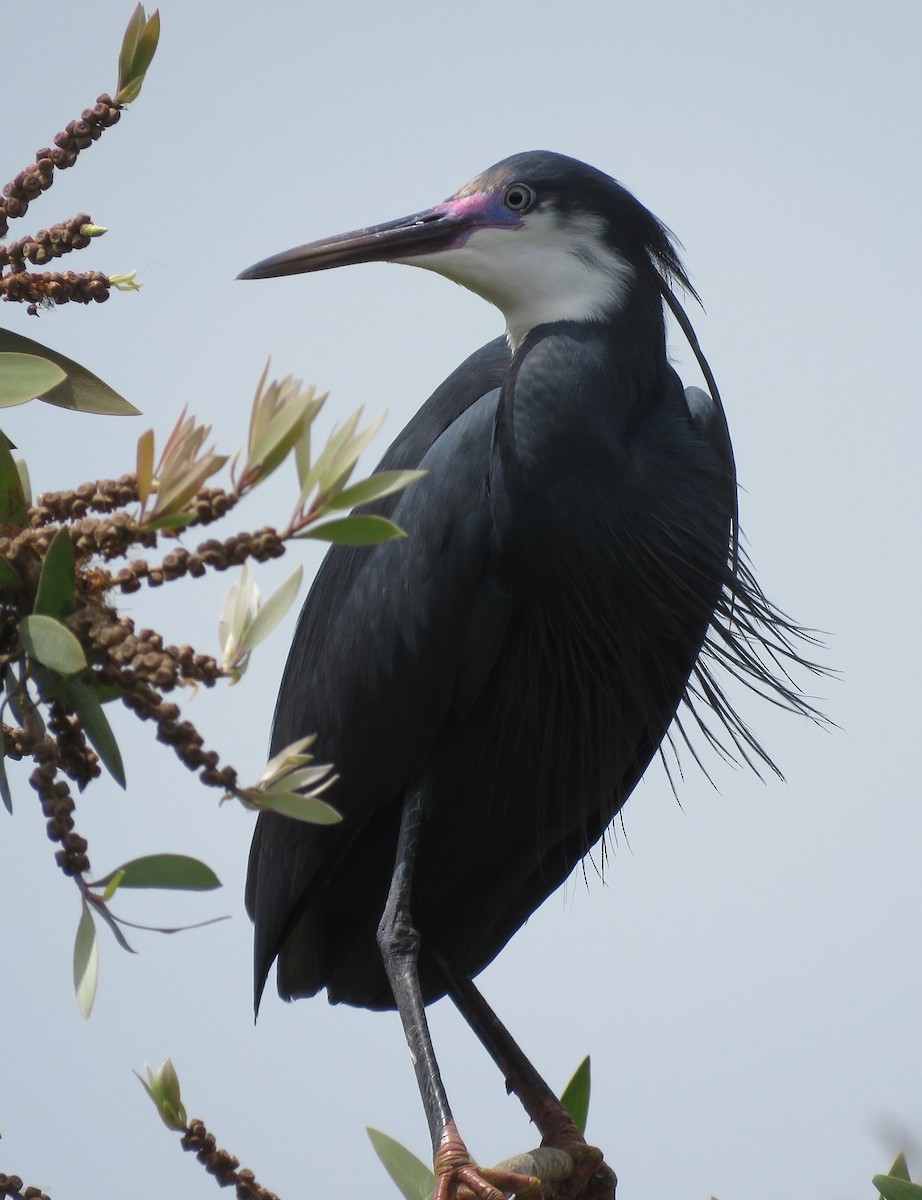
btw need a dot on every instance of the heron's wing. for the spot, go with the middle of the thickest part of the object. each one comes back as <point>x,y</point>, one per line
<point>709,418</point>
<point>392,639</point>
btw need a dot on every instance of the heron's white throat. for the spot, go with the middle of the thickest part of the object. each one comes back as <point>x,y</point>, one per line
<point>549,268</point>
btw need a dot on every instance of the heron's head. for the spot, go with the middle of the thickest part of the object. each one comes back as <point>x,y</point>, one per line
<point>543,237</point>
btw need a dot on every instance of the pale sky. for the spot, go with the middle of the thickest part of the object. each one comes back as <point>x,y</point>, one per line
<point>747,978</point>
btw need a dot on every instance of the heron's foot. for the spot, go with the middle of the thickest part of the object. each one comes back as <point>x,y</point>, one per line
<point>458,1178</point>
<point>591,1178</point>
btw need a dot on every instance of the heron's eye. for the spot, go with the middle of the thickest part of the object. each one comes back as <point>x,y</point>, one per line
<point>518,197</point>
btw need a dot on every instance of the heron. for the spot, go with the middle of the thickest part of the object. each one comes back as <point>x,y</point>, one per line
<point>492,687</point>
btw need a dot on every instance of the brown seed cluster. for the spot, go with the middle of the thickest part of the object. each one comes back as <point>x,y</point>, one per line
<point>103,496</point>
<point>18,743</point>
<point>141,656</point>
<point>58,807</point>
<point>19,193</point>
<point>40,248</point>
<point>108,537</point>
<point>185,739</point>
<point>56,287</point>
<point>223,1165</point>
<point>11,1185</point>
<point>78,760</point>
<point>232,552</point>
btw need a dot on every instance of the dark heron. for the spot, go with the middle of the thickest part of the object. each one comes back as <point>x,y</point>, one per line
<point>492,687</point>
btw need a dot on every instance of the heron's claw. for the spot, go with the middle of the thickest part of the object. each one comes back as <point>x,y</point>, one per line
<point>458,1178</point>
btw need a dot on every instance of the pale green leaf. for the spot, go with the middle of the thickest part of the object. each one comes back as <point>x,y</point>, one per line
<point>361,530</point>
<point>301,778</point>
<point>162,1086</point>
<point>323,465</point>
<point>174,494</point>
<point>25,377</point>
<point>413,1178</point>
<point>145,465</point>
<point>81,390</point>
<point>239,607</point>
<point>22,469</point>
<point>112,885</point>
<point>269,615</point>
<point>277,439</point>
<point>575,1098</point>
<point>57,582</point>
<point>290,756</point>
<point>52,644</point>
<point>300,808</point>
<point>177,872</point>
<point>86,961</point>
<point>348,455</point>
<point>383,483</point>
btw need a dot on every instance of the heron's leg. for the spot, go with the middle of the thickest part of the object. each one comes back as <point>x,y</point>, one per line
<point>456,1175</point>
<point>591,1177</point>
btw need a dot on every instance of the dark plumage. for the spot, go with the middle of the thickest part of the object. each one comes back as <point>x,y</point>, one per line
<point>520,657</point>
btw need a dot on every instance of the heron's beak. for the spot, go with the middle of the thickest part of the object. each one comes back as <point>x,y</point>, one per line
<point>428,232</point>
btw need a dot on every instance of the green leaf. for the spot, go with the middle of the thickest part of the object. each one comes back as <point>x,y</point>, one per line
<point>299,807</point>
<point>9,577</point>
<point>86,961</point>
<point>87,704</point>
<point>170,521</point>
<point>173,871</point>
<point>25,377</point>
<point>384,483</point>
<point>900,1168</point>
<point>138,47</point>
<point>413,1178</point>
<point>893,1188</point>
<point>80,390</point>
<point>575,1098</point>
<point>355,531</point>
<point>130,42</point>
<point>52,644</point>
<point>5,794</point>
<point>13,505</point>
<point>57,582</point>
